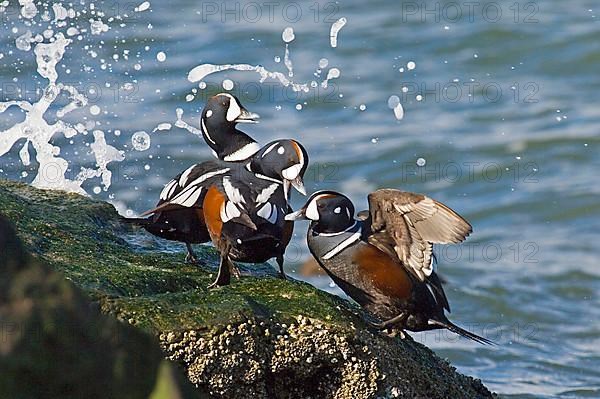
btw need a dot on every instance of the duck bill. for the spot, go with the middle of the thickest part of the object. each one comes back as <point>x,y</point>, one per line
<point>300,214</point>
<point>245,220</point>
<point>299,185</point>
<point>247,117</point>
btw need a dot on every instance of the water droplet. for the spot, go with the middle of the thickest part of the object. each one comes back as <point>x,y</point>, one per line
<point>298,107</point>
<point>419,97</point>
<point>421,162</point>
<point>323,62</point>
<point>375,140</point>
<point>94,110</point>
<point>394,103</point>
<point>97,190</point>
<point>411,65</point>
<point>140,141</point>
<point>161,56</point>
<point>362,107</point>
<point>228,84</point>
<point>288,34</point>
<point>277,58</point>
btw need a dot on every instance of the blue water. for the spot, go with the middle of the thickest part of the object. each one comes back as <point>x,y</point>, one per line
<point>508,128</point>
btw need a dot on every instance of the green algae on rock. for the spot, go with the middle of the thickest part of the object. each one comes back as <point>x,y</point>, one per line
<point>258,337</point>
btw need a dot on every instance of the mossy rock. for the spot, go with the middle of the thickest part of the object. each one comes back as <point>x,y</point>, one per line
<point>259,337</point>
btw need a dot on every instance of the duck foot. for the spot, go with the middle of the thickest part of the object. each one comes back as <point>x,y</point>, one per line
<point>191,256</point>
<point>281,271</point>
<point>224,274</point>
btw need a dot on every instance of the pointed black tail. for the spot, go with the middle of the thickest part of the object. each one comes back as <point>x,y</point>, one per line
<point>462,332</point>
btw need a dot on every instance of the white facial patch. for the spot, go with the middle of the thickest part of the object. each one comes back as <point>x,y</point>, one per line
<point>209,113</point>
<point>337,210</point>
<point>292,172</point>
<point>234,110</point>
<point>311,210</point>
<point>280,150</point>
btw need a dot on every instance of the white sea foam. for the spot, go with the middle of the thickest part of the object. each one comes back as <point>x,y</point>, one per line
<point>39,129</point>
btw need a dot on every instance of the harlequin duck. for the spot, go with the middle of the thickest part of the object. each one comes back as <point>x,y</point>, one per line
<point>218,121</point>
<point>384,259</point>
<point>182,221</point>
<point>242,205</point>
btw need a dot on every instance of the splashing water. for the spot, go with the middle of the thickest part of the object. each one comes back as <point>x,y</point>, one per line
<point>180,123</point>
<point>335,29</point>
<point>200,72</point>
<point>36,128</point>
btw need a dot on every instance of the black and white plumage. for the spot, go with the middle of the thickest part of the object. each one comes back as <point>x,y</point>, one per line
<point>181,220</point>
<point>177,215</point>
<point>218,125</point>
<point>384,260</point>
<point>244,210</point>
<point>254,196</point>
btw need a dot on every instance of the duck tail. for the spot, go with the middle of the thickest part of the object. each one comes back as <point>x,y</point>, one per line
<point>462,332</point>
<point>136,221</point>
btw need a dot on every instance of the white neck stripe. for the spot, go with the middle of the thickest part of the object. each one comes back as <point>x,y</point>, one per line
<point>243,153</point>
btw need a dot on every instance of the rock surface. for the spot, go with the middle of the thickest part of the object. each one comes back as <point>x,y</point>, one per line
<point>259,337</point>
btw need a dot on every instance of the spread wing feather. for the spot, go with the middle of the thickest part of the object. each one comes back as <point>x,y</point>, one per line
<point>406,225</point>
